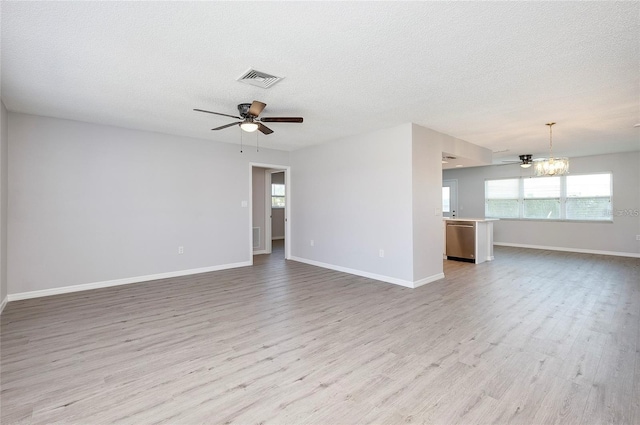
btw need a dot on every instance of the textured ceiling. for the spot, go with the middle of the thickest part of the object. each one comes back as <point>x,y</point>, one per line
<point>491,73</point>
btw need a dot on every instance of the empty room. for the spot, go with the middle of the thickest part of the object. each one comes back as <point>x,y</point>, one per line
<point>320,212</point>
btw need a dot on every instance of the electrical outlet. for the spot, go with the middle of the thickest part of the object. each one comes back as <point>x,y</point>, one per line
<point>381,253</point>
<point>180,250</point>
<point>638,237</point>
<point>311,242</point>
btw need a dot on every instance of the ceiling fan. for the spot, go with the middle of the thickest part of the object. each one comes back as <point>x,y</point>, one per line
<point>250,122</point>
<point>525,161</point>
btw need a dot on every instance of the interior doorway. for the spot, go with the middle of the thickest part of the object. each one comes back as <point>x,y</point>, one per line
<point>276,201</point>
<point>270,224</point>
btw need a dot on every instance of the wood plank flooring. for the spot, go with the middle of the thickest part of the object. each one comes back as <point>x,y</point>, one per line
<point>534,337</point>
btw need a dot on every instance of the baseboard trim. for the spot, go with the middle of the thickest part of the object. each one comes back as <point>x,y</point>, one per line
<point>577,250</point>
<point>277,238</point>
<point>374,276</point>
<point>4,303</point>
<point>118,282</point>
<point>429,279</point>
<point>260,252</point>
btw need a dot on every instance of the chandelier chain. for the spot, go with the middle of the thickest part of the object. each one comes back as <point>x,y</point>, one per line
<point>550,124</point>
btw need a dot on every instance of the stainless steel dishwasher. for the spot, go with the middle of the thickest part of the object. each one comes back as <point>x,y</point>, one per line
<point>461,240</point>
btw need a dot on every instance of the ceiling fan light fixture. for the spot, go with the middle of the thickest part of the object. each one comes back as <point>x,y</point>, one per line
<point>525,161</point>
<point>249,126</point>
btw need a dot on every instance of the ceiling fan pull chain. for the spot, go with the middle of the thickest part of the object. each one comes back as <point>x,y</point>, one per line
<point>257,148</point>
<point>240,140</point>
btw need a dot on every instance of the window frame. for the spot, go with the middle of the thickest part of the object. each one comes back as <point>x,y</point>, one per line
<point>563,200</point>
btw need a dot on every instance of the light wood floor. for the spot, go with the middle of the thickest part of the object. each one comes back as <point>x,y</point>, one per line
<point>535,337</point>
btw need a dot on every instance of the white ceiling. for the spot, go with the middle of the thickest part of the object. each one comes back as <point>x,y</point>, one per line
<point>489,73</point>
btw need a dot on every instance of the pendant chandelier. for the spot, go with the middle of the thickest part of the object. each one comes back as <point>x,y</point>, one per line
<point>551,166</point>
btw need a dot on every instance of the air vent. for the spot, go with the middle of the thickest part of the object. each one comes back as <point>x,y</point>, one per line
<point>258,78</point>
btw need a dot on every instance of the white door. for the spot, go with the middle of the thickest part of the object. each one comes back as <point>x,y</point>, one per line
<point>449,198</point>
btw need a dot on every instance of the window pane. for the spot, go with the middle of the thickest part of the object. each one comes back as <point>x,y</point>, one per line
<point>277,202</point>
<point>277,190</point>
<point>277,195</point>
<point>446,199</point>
<point>502,198</point>
<point>501,189</point>
<point>589,197</point>
<point>542,208</point>
<point>502,208</point>
<point>591,185</point>
<point>542,187</point>
<point>589,208</point>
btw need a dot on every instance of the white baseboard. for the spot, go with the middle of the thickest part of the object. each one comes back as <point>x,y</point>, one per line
<point>4,303</point>
<point>260,252</point>
<point>277,238</point>
<point>388,279</point>
<point>429,279</point>
<point>578,250</point>
<point>118,282</point>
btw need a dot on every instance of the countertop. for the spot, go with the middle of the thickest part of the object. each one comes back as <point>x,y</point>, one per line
<point>478,220</point>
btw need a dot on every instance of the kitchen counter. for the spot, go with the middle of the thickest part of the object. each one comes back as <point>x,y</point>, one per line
<point>483,238</point>
<point>478,220</point>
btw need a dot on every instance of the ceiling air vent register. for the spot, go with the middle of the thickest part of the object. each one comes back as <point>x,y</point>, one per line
<point>258,78</point>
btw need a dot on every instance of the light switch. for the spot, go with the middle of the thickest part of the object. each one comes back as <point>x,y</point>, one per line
<point>244,204</point>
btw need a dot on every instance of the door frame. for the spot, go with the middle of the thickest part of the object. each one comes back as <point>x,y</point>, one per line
<point>268,230</point>
<point>271,168</point>
<point>453,197</point>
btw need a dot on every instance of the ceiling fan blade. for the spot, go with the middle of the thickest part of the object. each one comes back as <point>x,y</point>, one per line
<point>225,126</point>
<point>281,119</point>
<point>217,113</point>
<point>264,129</point>
<point>256,107</point>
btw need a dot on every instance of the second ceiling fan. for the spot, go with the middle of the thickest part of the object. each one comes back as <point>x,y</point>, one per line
<point>525,161</point>
<point>249,121</point>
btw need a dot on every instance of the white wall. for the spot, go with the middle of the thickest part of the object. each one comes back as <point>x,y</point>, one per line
<point>4,143</point>
<point>427,201</point>
<point>381,190</point>
<point>616,237</point>
<point>353,197</point>
<point>90,203</point>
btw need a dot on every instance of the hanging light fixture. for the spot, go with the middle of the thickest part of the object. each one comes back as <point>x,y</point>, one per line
<point>551,166</point>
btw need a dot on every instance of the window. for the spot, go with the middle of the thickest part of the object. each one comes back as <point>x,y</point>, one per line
<point>277,195</point>
<point>446,199</point>
<point>501,198</point>
<point>541,198</point>
<point>580,197</point>
<point>589,197</point>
